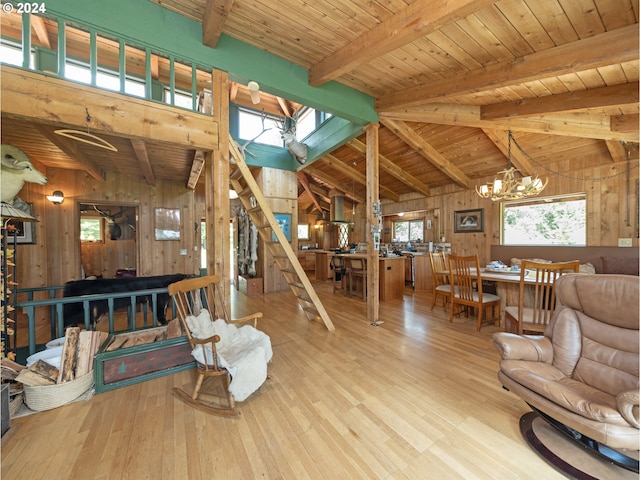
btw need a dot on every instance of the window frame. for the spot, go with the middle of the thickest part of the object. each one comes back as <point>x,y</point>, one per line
<point>409,222</point>
<point>302,236</point>
<point>553,199</point>
<point>100,221</point>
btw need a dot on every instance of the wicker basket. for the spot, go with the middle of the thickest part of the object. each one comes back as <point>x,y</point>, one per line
<point>41,398</point>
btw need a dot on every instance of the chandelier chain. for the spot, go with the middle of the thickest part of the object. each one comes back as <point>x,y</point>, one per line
<point>584,179</point>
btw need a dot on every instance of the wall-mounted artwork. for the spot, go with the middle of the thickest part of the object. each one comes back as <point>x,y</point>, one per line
<point>469,221</point>
<point>167,224</point>
<point>284,220</point>
<point>23,232</point>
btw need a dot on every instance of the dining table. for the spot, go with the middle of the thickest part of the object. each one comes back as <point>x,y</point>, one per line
<point>507,287</point>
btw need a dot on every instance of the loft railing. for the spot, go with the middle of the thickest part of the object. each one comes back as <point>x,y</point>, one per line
<point>56,309</point>
<point>158,76</point>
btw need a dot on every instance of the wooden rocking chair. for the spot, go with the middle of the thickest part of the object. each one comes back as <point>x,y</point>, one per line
<point>196,299</point>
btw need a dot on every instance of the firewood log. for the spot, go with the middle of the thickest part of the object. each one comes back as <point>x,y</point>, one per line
<point>67,366</point>
<point>45,370</point>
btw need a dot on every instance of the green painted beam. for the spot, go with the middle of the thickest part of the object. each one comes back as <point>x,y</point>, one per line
<point>143,21</point>
<point>327,137</point>
<point>262,155</point>
<point>330,135</point>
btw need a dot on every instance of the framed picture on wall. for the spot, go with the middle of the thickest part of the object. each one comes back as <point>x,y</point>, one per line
<point>284,220</point>
<point>167,224</point>
<point>23,232</point>
<point>468,221</point>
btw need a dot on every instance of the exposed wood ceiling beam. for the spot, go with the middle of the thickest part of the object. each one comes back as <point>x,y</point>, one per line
<point>616,96</point>
<point>420,145</point>
<point>617,150</point>
<point>334,183</point>
<point>233,91</point>
<point>38,25</point>
<point>323,193</point>
<point>391,168</point>
<point>70,148</point>
<point>414,21</point>
<point>155,67</point>
<point>570,125</point>
<point>196,169</point>
<point>355,175</point>
<point>305,184</point>
<point>501,140</point>
<point>625,124</point>
<point>284,105</point>
<point>616,46</point>
<point>140,149</point>
<point>213,21</point>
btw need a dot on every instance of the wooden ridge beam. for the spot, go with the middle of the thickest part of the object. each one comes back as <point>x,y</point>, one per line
<point>622,95</point>
<point>355,175</point>
<point>72,150</point>
<point>420,145</point>
<point>215,16</point>
<point>140,149</point>
<point>391,168</point>
<point>411,23</point>
<point>580,125</point>
<point>616,46</point>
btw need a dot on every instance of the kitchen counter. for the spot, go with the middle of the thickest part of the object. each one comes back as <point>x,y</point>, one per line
<point>391,275</point>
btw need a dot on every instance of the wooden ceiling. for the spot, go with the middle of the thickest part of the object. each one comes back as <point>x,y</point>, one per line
<point>449,80</point>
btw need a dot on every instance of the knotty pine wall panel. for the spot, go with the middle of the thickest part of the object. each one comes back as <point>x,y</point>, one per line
<point>56,256</point>
<point>612,207</point>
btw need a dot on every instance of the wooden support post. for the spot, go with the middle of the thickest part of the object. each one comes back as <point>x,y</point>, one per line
<point>218,206</point>
<point>373,196</point>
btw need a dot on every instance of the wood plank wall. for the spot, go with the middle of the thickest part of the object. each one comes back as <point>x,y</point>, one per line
<point>280,188</point>
<point>608,208</point>
<point>55,258</point>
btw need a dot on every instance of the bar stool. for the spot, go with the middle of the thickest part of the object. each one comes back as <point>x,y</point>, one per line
<point>339,268</point>
<point>357,267</point>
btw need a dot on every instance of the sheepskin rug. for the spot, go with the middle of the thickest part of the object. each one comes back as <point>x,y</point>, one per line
<point>243,351</point>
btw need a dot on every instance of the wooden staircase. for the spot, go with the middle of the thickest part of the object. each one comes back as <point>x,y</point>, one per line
<point>256,205</point>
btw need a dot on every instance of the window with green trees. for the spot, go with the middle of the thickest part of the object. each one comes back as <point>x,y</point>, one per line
<point>91,230</point>
<point>408,231</point>
<point>558,220</point>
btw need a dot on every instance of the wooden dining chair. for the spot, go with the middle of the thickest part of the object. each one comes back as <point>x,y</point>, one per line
<point>440,277</point>
<point>357,268</point>
<point>536,297</point>
<point>466,288</point>
<point>198,302</point>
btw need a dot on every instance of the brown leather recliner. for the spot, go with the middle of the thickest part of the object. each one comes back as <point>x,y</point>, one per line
<point>583,373</point>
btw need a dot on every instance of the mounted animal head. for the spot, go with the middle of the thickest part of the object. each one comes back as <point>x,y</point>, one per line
<point>115,231</point>
<point>16,171</point>
<point>297,149</point>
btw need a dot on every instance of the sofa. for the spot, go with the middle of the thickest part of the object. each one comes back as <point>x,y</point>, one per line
<point>606,260</point>
<point>582,374</point>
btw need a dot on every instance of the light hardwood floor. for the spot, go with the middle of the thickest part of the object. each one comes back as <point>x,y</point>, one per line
<point>414,398</point>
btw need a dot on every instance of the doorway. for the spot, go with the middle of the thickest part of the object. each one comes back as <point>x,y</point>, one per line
<point>108,240</point>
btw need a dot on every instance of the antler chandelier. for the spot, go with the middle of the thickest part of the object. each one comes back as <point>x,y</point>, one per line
<point>512,185</point>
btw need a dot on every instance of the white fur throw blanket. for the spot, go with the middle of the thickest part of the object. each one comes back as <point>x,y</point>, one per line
<point>243,351</point>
